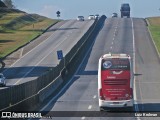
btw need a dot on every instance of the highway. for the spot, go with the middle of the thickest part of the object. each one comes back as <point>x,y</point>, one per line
<point>43,56</point>
<point>118,35</point>
<point>147,69</point>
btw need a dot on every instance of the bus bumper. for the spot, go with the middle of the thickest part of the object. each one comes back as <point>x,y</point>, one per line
<point>115,104</point>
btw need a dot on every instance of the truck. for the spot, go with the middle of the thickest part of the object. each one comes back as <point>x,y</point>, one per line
<point>125,10</point>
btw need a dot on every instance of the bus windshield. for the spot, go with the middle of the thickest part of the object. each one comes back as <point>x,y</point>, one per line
<point>115,64</point>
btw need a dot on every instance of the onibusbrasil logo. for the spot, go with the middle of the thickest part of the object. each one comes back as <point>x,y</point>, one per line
<point>107,64</point>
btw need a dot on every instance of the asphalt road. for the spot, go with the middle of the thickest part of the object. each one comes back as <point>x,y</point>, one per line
<point>44,56</point>
<point>118,35</point>
<point>147,69</point>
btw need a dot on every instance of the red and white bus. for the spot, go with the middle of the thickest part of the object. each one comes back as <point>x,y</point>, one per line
<point>114,81</point>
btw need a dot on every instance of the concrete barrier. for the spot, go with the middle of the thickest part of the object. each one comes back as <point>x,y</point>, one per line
<point>49,89</point>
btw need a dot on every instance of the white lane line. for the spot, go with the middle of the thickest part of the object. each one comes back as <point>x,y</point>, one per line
<point>21,53</point>
<point>134,89</point>
<point>31,50</point>
<point>90,107</point>
<point>40,61</point>
<point>83,118</point>
<point>115,30</point>
<point>111,47</point>
<point>114,35</point>
<point>112,43</point>
<point>94,97</point>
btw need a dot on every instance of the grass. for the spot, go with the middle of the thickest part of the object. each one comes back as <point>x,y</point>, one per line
<point>154,27</point>
<point>16,29</point>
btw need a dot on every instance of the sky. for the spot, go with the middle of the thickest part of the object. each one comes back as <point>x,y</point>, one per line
<point>70,9</point>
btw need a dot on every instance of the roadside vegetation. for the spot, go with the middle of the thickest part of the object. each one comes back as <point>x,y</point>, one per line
<point>18,28</point>
<point>155,30</point>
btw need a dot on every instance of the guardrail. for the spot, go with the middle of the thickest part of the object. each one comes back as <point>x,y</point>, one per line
<point>29,95</point>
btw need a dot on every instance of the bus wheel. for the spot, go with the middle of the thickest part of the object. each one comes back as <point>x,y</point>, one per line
<point>101,109</point>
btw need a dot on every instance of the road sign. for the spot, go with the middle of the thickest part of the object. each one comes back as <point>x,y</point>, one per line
<point>60,54</point>
<point>58,13</point>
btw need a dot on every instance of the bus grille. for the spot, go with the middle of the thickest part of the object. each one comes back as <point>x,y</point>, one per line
<point>115,82</point>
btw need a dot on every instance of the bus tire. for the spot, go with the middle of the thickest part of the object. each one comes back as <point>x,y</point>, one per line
<point>101,109</point>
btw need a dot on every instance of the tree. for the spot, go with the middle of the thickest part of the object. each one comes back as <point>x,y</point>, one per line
<point>9,3</point>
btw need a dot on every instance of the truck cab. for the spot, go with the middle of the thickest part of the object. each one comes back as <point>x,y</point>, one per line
<point>125,10</point>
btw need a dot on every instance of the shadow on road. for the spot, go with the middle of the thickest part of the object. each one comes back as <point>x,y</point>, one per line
<point>89,72</point>
<point>61,29</point>
<point>24,72</point>
<point>149,107</point>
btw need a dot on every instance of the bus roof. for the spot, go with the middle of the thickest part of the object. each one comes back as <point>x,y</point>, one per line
<point>105,56</point>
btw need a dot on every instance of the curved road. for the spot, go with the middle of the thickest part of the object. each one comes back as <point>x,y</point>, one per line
<point>44,56</point>
<point>118,35</point>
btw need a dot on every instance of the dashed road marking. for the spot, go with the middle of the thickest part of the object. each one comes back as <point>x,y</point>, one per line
<point>83,118</point>
<point>90,107</point>
<point>112,43</point>
<point>94,97</point>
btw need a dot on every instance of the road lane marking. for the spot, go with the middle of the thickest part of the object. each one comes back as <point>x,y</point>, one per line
<point>83,118</point>
<point>90,107</point>
<point>112,43</point>
<point>115,31</point>
<point>94,97</point>
<point>134,86</point>
<point>21,53</point>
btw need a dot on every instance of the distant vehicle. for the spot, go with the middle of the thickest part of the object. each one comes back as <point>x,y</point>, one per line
<point>2,80</point>
<point>114,82</point>
<point>125,10</point>
<point>114,15</point>
<point>80,18</point>
<point>96,16</point>
<point>91,17</point>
